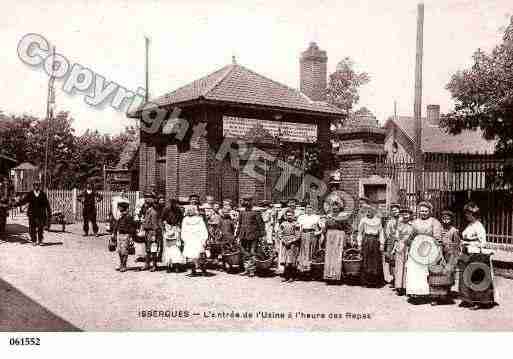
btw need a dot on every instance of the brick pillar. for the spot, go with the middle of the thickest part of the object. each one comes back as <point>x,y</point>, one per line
<point>358,151</point>
<point>172,168</point>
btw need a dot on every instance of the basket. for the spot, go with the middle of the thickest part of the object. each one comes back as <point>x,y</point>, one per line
<point>232,259</point>
<point>112,244</point>
<point>352,266</point>
<point>263,265</point>
<point>440,280</point>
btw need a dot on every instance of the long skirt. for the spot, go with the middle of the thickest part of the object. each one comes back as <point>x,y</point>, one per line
<point>401,257</point>
<point>416,278</point>
<point>171,253</point>
<point>334,249</point>
<point>476,284</point>
<point>372,266</point>
<point>291,252</point>
<point>306,251</point>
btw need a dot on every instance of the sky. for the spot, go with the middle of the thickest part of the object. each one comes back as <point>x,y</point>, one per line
<point>191,38</point>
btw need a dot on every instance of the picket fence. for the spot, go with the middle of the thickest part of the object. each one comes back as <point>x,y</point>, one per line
<point>66,202</point>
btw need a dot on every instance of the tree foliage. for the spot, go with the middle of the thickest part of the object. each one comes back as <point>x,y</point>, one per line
<point>72,159</point>
<point>344,84</point>
<point>483,95</point>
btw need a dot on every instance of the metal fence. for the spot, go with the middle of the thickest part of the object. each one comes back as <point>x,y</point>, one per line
<point>451,180</point>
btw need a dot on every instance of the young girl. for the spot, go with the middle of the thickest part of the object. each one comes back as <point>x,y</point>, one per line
<point>288,235</point>
<point>194,236</point>
<point>172,255</point>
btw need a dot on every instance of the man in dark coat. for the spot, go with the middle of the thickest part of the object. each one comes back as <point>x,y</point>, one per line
<point>89,198</point>
<point>249,230</point>
<point>38,212</point>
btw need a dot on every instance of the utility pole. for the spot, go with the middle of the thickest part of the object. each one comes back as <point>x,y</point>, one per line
<point>146,70</point>
<point>417,125</point>
<point>50,104</point>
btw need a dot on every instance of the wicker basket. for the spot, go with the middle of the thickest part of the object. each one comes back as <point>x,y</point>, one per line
<point>440,280</point>
<point>264,265</point>
<point>352,266</point>
<point>232,259</point>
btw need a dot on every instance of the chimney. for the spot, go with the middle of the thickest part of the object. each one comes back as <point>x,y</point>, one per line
<point>313,72</point>
<point>433,115</point>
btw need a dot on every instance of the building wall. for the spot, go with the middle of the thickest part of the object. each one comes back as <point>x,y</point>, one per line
<point>195,169</point>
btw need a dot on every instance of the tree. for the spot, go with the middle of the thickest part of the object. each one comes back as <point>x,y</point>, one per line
<point>483,95</point>
<point>344,84</point>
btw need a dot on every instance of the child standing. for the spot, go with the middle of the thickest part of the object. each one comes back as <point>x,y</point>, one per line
<point>123,232</point>
<point>288,234</point>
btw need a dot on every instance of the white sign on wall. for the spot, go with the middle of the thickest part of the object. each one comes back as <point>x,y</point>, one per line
<point>286,131</point>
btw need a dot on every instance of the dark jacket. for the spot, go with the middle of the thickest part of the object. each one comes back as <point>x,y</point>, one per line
<point>38,207</point>
<point>125,225</point>
<point>251,226</point>
<point>89,200</point>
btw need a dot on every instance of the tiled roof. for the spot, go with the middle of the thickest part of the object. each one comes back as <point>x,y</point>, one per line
<point>438,140</point>
<point>237,84</point>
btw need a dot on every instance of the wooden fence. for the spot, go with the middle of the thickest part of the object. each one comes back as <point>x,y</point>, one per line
<point>450,181</point>
<point>66,201</point>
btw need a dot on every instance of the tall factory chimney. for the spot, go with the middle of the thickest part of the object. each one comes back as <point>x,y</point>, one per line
<point>313,72</point>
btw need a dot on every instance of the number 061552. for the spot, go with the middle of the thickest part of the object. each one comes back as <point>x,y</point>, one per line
<point>25,341</point>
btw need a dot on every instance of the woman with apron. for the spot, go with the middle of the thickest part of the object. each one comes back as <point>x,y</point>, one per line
<point>476,279</point>
<point>424,250</point>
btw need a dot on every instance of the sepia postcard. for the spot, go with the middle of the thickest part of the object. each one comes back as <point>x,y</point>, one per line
<point>247,166</point>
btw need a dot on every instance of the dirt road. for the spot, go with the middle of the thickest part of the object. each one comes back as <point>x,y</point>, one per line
<point>70,284</point>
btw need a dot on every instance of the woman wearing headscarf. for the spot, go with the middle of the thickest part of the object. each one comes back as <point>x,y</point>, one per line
<point>194,236</point>
<point>476,285</point>
<point>424,250</point>
<point>371,240</point>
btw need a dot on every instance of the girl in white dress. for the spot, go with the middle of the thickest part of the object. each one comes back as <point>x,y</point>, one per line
<point>194,236</point>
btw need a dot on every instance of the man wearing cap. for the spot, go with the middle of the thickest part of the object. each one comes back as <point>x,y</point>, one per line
<point>267,217</point>
<point>38,212</point>
<point>89,198</point>
<point>250,228</point>
<point>391,237</point>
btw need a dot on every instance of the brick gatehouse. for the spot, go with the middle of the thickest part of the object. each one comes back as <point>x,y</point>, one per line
<point>236,102</point>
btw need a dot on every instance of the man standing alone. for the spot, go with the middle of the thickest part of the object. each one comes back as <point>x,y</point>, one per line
<point>89,198</point>
<point>38,212</point>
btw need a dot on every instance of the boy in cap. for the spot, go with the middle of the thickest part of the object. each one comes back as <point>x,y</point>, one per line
<point>123,233</point>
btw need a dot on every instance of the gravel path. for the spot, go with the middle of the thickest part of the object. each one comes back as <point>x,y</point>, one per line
<point>71,284</point>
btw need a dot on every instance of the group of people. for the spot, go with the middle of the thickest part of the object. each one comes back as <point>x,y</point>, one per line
<point>404,250</point>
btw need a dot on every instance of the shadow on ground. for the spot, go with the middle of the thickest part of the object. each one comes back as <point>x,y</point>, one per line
<point>19,313</point>
<point>15,233</point>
